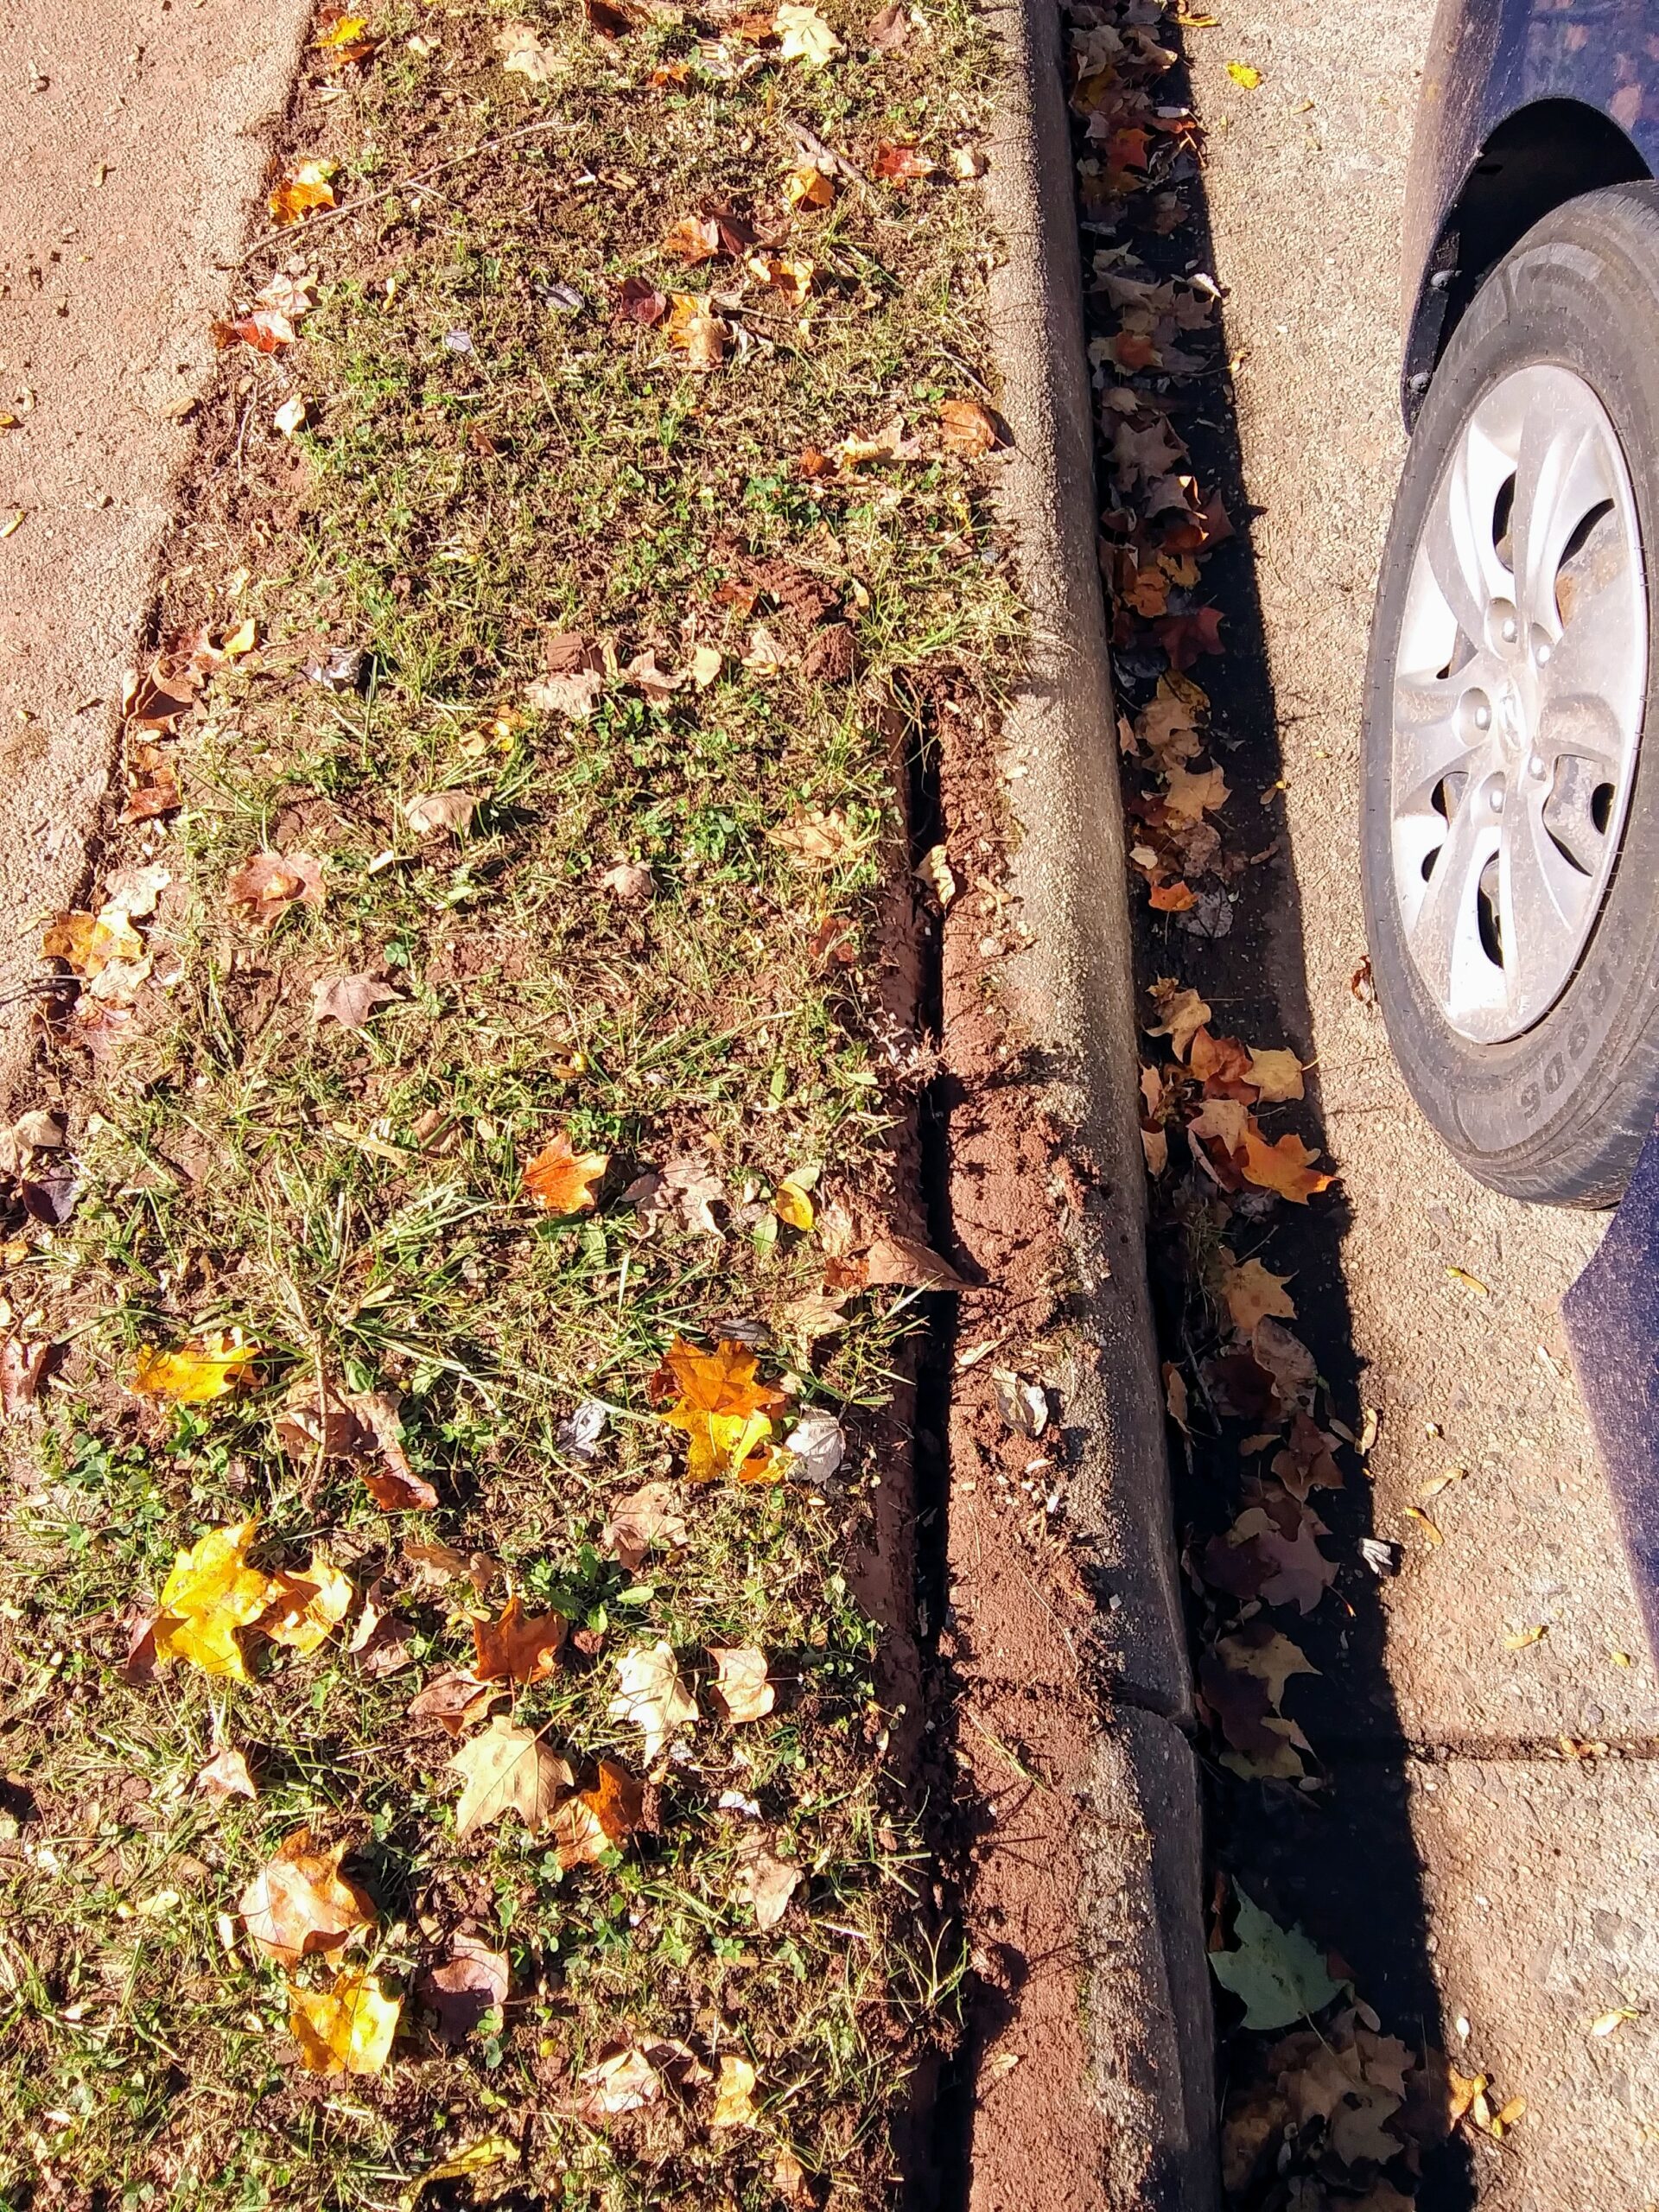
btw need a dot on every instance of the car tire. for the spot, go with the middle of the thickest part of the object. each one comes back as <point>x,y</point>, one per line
<point>1527,1034</point>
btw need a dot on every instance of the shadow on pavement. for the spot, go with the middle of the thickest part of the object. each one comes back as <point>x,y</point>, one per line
<point>1340,1860</point>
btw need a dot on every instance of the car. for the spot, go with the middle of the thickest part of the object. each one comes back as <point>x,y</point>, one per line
<point>1509,799</point>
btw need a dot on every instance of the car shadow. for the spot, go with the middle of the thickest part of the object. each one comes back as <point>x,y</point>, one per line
<point>1339,1859</point>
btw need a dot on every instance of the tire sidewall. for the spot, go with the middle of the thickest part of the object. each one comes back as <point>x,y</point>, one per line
<point>1581,293</point>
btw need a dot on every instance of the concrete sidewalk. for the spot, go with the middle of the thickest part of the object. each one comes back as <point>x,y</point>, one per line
<point>134,136</point>
<point>1539,1873</point>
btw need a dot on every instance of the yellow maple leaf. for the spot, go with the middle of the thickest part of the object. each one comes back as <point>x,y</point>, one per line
<point>299,189</point>
<point>210,1594</point>
<point>806,37</point>
<point>733,2093</point>
<point>725,1413</point>
<point>344,2030</point>
<point>306,1609</point>
<point>209,1366</point>
<point>791,1203</point>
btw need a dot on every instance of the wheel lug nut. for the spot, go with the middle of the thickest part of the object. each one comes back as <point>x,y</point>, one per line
<point>1511,630</point>
<point>1542,655</point>
<point>1497,799</point>
<point>1483,718</point>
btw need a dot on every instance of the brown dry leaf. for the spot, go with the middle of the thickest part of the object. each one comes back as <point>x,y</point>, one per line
<point>638,300</point>
<point>1188,796</point>
<point>645,1517</point>
<point>899,165</point>
<point>507,1769</point>
<point>306,1609</point>
<point>299,189</point>
<point>453,1699</point>
<point>396,1487</point>
<point>967,428</point>
<point>267,330</point>
<point>596,1821</point>
<point>560,1179</point>
<point>349,1000</point>
<point>1182,1013</point>
<point>268,883</point>
<point>520,1647</point>
<point>1287,1167</point>
<point>764,1881</point>
<point>149,800</point>
<point>1277,1075</point>
<point>734,2093</point>
<point>436,810</point>
<point>788,275</point>
<point>695,331</point>
<point>474,1981</point>
<point>652,1695</point>
<point>906,1264</point>
<point>300,1901</point>
<point>1252,1293</point>
<point>633,885</point>
<point>805,36</point>
<point>524,53</point>
<point>22,1366</point>
<point>1306,1462</point>
<point>740,1690</point>
<point>626,2076</point>
<point>692,240</point>
<point>226,1774</point>
<point>345,2030</point>
<point>380,1642</point>
<point>807,187</point>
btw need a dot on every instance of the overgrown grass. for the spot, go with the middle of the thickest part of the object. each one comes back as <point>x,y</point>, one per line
<point>354,1201</point>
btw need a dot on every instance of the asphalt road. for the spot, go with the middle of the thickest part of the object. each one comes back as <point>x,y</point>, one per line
<point>1531,1878</point>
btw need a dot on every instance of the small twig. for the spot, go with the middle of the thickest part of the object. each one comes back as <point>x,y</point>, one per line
<point>295,233</point>
<point>1019,1765</point>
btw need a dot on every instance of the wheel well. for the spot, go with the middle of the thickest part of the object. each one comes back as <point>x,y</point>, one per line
<point>1536,160</point>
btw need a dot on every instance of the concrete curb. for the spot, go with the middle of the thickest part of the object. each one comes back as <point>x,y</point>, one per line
<point>1147,1993</point>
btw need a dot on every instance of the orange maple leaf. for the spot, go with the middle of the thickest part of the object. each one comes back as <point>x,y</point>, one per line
<point>560,1179</point>
<point>1287,1167</point>
<point>519,1647</point>
<point>725,1412</point>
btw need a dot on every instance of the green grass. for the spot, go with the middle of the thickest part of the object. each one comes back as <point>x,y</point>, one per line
<point>444,512</point>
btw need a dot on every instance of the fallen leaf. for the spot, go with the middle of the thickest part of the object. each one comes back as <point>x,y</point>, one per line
<point>889,30</point>
<point>788,275</point>
<point>519,1647</point>
<point>1287,1167</point>
<point>453,1700</point>
<point>807,187</point>
<point>289,419</point>
<point>725,1413</point>
<point>211,1594</point>
<point>740,1690</point>
<point>299,189</point>
<point>693,331</point>
<point>265,329</point>
<point>270,883</point>
<point>436,810</point>
<point>507,1769</point>
<point>1183,1014</point>
<point>306,1609</point>
<point>300,1902</point>
<point>1277,1077</point>
<point>626,2076</point>
<point>652,1696</point>
<point>764,1881</point>
<point>806,37</point>
<point>596,1821</point>
<point>380,1642</point>
<point>606,20</point>
<point>967,428</point>
<point>638,300</point>
<point>1276,1971</point>
<point>793,1205</point>
<point>933,869</point>
<point>1187,796</point>
<point>524,53</point>
<point>1252,1292</point>
<point>560,1179</point>
<point>345,2030</point>
<point>899,165</point>
<point>646,1518</point>
<point>692,240</point>
<point>474,1981</point>
<point>349,1000</point>
<point>734,2093</point>
<point>205,1366</point>
<point>226,1774</point>
<point>22,1366</point>
<point>1023,1405</point>
<point>1242,72</point>
<point>1527,1636</point>
<point>910,1265</point>
<point>1605,2023</point>
<point>819,1444</point>
<point>633,885</point>
<point>1469,1282</point>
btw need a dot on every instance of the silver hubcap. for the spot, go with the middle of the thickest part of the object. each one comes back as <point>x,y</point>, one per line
<point>1518,693</point>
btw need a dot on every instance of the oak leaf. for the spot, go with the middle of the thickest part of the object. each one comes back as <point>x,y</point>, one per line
<point>300,1902</point>
<point>519,1647</point>
<point>507,1769</point>
<point>740,1690</point>
<point>652,1695</point>
<point>560,1179</point>
<point>345,2030</point>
